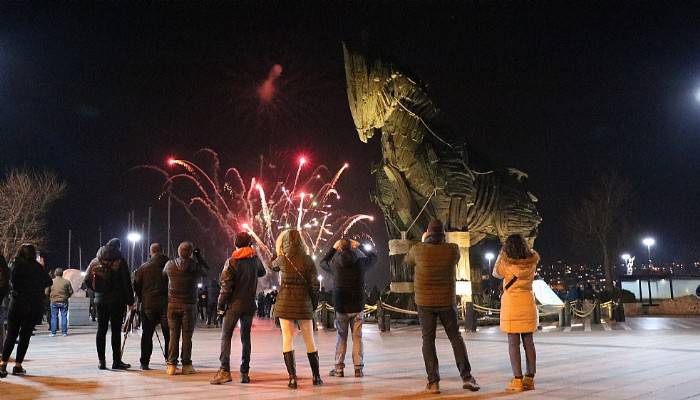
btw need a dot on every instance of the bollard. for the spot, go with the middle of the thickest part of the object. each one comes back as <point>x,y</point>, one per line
<point>562,317</point>
<point>595,316</point>
<point>567,314</point>
<point>469,317</point>
<point>620,311</point>
<point>383,318</point>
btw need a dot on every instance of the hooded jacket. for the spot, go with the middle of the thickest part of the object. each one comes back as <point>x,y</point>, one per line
<point>183,274</point>
<point>239,281</point>
<point>298,271</point>
<point>122,291</point>
<point>29,280</point>
<point>518,306</point>
<point>150,285</point>
<point>434,263</point>
<point>348,268</point>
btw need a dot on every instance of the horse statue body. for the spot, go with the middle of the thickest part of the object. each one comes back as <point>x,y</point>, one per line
<point>422,176</point>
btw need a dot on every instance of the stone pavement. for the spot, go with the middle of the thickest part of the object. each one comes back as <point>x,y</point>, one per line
<point>653,358</point>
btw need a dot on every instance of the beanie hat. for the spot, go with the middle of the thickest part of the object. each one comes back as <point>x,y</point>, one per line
<point>242,239</point>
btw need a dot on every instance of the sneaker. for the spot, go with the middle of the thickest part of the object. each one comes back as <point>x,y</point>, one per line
<point>515,385</point>
<point>18,370</point>
<point>171,370</point>
<point>52,335</point>
<point>64,334</point>
<point>359,373</point>
<point>433,388</point>
<point>222,376</point>
<point>120,365</point>
<point>336,373</point>
<point>188,369</point>
<point>469,383</point>
<point>528,383</point>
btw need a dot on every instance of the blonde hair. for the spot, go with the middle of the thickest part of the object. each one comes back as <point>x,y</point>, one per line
<point>298,245</point>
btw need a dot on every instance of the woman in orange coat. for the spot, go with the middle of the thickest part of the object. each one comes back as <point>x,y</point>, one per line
<point>517,265</point>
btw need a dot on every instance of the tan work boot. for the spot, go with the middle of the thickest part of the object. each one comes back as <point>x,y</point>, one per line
<point>515,385</point>
<point>188,369</point>
<point>171,370</point>
<point>528,383</point>
<point>222,376</point>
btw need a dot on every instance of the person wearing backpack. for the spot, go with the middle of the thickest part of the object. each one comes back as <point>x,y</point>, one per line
<point>517,266</point>
<point>108,276</point>
<point>236,301</point>
<point>183,274</point>
<point>29,280</point>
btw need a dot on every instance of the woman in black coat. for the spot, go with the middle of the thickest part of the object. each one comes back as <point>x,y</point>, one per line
<point>29,280</point>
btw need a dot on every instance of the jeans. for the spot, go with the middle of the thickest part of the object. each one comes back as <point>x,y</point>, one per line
<point>427,316</point>
<point>109,315</point>
<point>514,352</point>
<point>63,308</point>
<point>230,320</point>
<point>181,320</point>
<point>354,322</point>
<point>149,321</point>
<point>21,319</point>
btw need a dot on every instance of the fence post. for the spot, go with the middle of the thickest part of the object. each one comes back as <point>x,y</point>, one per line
<point>620,314</point>
<point>469,317</point>
<point>595,315</point>
<point>562,317</point>
<point>567,314</point>
<point>383,318</point>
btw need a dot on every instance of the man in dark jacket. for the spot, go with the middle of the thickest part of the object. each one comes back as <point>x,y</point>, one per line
<point>348,265</point>
<point>239,282</point>
<point>151,288</point>
<point>183,274</point>
<point>108,276</point>
<point>4,291</point>
<point>435,264</point>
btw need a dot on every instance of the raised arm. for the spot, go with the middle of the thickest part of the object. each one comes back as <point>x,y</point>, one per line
<point>326,260</point>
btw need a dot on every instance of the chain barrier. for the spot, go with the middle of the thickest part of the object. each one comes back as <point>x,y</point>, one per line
<point>584,314</point>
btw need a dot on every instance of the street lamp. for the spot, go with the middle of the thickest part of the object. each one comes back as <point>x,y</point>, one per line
<point>320,280</point>
<point>133,237</point>
<point>649,242</point>
<point>489,256</point>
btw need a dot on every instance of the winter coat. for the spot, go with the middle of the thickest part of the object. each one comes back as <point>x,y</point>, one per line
<point>4,278</point>
<point>122,291</point>
<point>239,281</point>
<point>61,290</point>
<point>183,274</point>
<point>293,300</point>
<point>29,280</point>
<point>434,274</point>
<point>518,307</point>
<point>348,268</point>
<point>150,285</point>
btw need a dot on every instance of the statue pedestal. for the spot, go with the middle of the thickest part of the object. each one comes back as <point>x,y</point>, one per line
<point>401,287</point>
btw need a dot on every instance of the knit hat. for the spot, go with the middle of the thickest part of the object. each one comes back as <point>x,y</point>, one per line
<point>242,239</point>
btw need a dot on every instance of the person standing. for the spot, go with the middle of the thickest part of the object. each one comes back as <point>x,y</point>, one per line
<point>60,291</point>
<point>4,291</point>
<point>516,266</point>
<point>109,278</point>
<point>236,300</point>
<point>183,274</point>
<point>214,291</point>
<point>298,290</point>
<point>151,288</point>
<point>435,263</point>
<point>348,265</point>
<point>29,281</point>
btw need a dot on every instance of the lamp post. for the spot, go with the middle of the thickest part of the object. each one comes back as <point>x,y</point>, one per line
<point>320,281</point>
<point>649,242</point>
<point>133,237</point>
<point>489,257</point>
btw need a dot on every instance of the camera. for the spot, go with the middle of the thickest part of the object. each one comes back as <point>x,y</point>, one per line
<point>367,247</point>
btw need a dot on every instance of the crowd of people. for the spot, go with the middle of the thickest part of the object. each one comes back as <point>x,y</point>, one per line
<point>168,294</point>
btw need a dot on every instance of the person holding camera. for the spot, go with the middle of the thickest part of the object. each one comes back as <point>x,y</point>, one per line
<point>152,291</point>
<point>296,301</point>
<point>348,265</point>
<point>236,302</point>
<point>183,274</point>
<point>109,278</point>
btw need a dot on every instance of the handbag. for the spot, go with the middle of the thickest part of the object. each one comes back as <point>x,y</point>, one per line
<point>312,295</point>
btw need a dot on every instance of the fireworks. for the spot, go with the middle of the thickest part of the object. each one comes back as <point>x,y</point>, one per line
<point>305,199</point>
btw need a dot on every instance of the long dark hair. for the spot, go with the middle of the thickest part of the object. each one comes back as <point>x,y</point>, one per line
<point>516,248</point>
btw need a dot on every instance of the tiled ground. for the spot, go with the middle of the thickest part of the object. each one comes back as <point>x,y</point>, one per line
<point>652,358</point>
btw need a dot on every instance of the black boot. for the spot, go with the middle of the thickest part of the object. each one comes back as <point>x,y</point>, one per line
<point>119,364</point>
<point>291,369</point>
<point>102,364</point>
<point>3,371</point>
<point>313,361</point>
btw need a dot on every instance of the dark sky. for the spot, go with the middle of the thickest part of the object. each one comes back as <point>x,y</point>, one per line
<point>562,93</point>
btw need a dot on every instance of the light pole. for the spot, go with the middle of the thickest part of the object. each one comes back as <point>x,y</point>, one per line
<point>649,242</point>
<point>133,237</point>
<point>489,257</point>
<point>320,281</point>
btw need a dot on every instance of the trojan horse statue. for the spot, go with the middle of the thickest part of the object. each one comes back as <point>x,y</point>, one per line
<point>422,176</point>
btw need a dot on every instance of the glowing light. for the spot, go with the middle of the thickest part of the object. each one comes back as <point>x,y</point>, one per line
<point>302,160</point>
<point>489,256</point>
<point>626,257</point>
<point>171,161</point>
<point>83,273</point>
<point>320,277</point>
<point>648,242</point>
<point>133,237</point>
<point>199,285</point>
<point>367,247</point>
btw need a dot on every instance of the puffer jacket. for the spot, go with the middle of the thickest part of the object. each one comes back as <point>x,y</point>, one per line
<point>29,281</point>
<point>122,291</point>
<point>150,285</point>
<point>293,300</point>
<point>518,306</point>
<point>61,290</point>
<point>183,275</point>
<point>239,281</point>
<point>434,277</point>
<point>348,268</point>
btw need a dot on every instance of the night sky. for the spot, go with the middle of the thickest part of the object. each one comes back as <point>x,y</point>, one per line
<point>564,94</point>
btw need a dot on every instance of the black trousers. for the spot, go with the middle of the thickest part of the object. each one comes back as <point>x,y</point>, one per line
<point>109,315</point>
<point>150,319</point>
<point>21,319</point>
<point>428,316</point>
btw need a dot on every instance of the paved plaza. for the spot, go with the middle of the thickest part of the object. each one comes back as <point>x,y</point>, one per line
<point>644,358</point>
